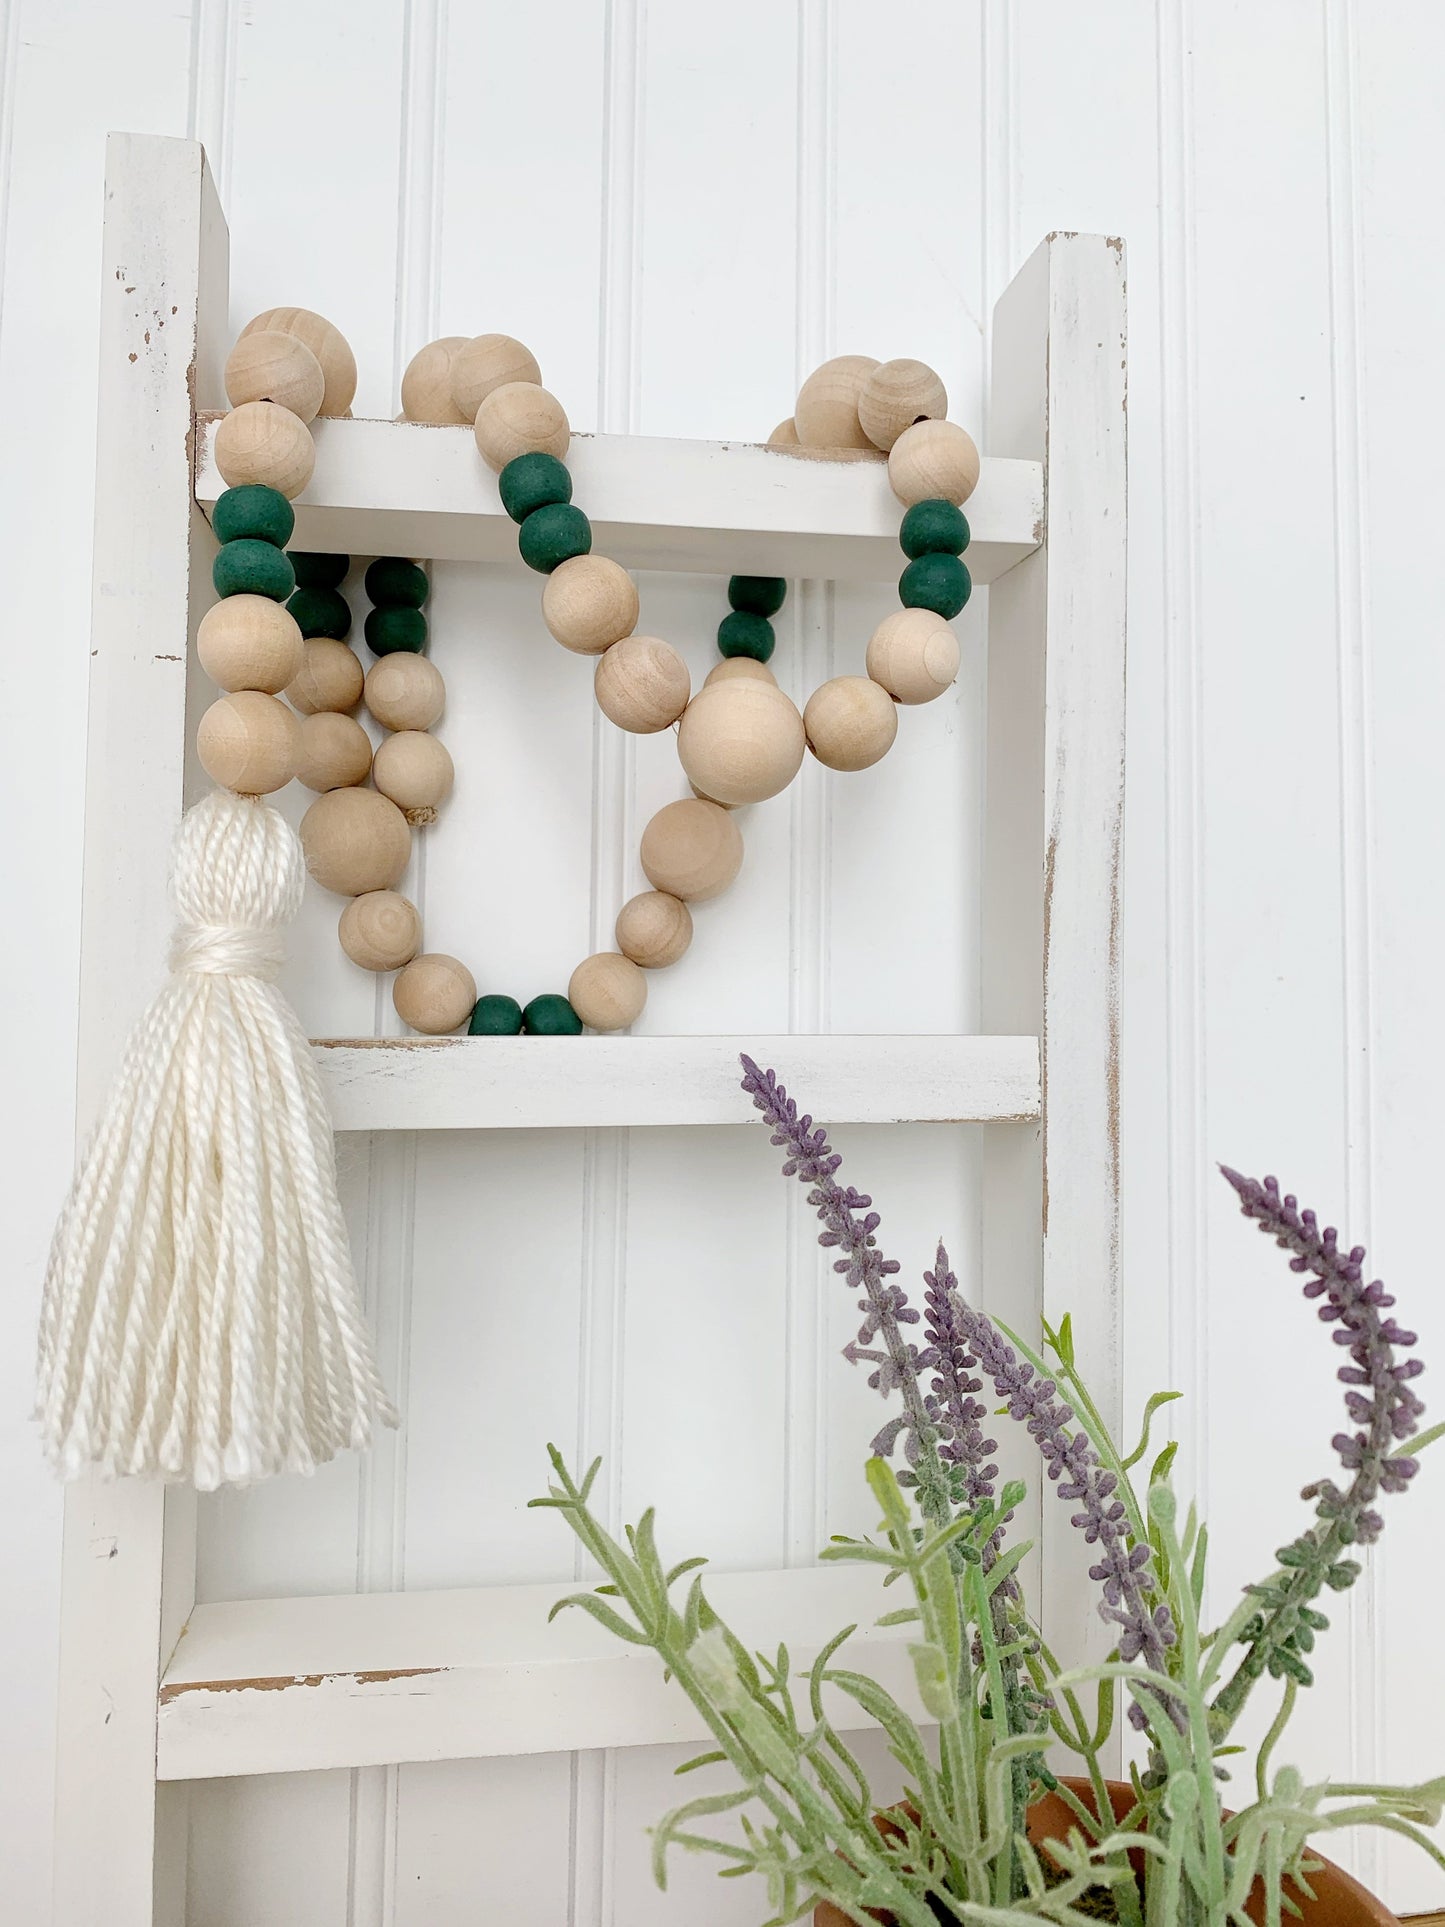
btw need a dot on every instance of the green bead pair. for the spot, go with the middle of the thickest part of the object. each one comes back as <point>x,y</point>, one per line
<point>545,1016</point>
<point>746,630</point>
<point>395,622</point>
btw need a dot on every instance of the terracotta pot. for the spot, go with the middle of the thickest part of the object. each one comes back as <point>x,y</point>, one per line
<point>1340,1900</point>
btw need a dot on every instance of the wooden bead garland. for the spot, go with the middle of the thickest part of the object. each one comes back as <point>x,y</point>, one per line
<point>327,344</point>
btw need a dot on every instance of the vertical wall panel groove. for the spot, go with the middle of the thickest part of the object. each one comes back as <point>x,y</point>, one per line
<point>9,75</point>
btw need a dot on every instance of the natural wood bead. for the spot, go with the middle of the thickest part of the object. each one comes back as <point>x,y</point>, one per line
<point>589,603</point>
<point>520,418</point>
<point>434,994</point>
<point>263,442</point>
<point>933,461</point>
<point>851,722</point>
<point>404,691</point>
<point>826,415</point>
<point>249,642</point>
<point>335,751</point>
<point>785,435</point>
<point>741,741</point>
<point>487,362</point>
<point>416,772</point>
<point>249,742</point>
<point>746,668</point>
<point>642,684</point>
<point>380,931</point>
<point>330,677</point>
<point>654,929</point>
<point>607,991</point>
<point>914,655</point>
<point>271,366</point>
<point>326,342</point>
<point>355,840</point>
<point>426,387</point>
<point>692,850</point>
<point>895,396</point>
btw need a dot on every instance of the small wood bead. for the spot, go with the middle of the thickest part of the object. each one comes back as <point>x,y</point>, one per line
<point>434,994</point>
<point>692,850</point>
<point>330,677</point>
<point>405,691</point>
<point>271,366</point>
<point>485,363</point>
<point>851,722</point>
<point>741,742</point>
<point>381,930</point>
<point>607,991</point>
<point>654,929</point>
<point>520,419</point>
<point>326,342</point>
<point>335,751</point>
<point>826,415</point>
<point>249,642</point>
<point>416,772</point>
<point>642,684</point>
<point>895,396</point>
<point>745,668</point>
<point>249,742</point>
<point>914,655</point>
<point>785,435</point>
<point>589,603</point>
<point>426,387</point>
<point>262,442</point>
<point>933,460</point>
<point>355,840</point>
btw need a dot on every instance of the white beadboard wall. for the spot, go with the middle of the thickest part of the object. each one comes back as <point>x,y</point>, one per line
<point>682,208</point>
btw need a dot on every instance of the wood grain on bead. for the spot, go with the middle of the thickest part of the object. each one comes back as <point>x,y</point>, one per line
<point>271,366</point>
<point>381,930</point>
<point>895,396</point>
<point>589,603</point>
<point>785,435</point>
<point>326,342</point>
<point>654,929</point>
<point>913,654</point>
<point>520,419</point>
<point>330,677</point>
<point>607,991</point>
<point>415,771</point>
<point>741,741</point>
<point>642,684</point>
<point>249,642</point>
<point>355,840</point>
<point>404,691</point>
<point>735,668</point>
<point>692,850</point>
<point>933,461</point>
<point>426,387</point>
<point>335,751</point>
<point>249,742</point>
<point>851,722</point>
<point>485,363</point>
<point>434,993</point>
<point>263,442</point>
<point>826,415</point>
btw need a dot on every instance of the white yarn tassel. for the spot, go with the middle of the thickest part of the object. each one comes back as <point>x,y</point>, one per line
<point>200,1319</point>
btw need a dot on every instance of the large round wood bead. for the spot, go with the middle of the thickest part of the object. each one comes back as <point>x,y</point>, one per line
<point>416,772</point>
<point>271,366</point>
<point>434,994</point>
<point>933,459</point>
<point>607,991</point>
<point>851,722</point>
<point>741,742</point>
<point>335,751</point>
<point>405,691</point>
<point>355,840</point>
<point>589,603</point>
<point>249,642</point>
<point>895,396</point>
<point>262,442</point>
<point>330,677</point>
<point>914,655</point>
<point>739,668</point>
<point>326,342</point>
<point>485,363</point>
<point>642,684</point>
<point>249,742</point>
<point>692,850</point>
<point>654,929</point>
<point>826,415</point>
<point>381,930</point>
<point>520,419</point>
<point>426,387</point>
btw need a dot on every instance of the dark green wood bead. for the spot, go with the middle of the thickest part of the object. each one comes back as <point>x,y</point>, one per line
<point>553,534</point>
<point>937,582</point>
<point>315,570</point>
<point>394,583</point>
<point>551,1016</point>
<point>495,1017</point>
<point>388,630</point>
<point>531,482</point>
<point>256,511</point>
<point>758,595</point>
<point>934,528</point>
<point>744,634</point>
<point>248,567</point>
<point>321,612</point>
